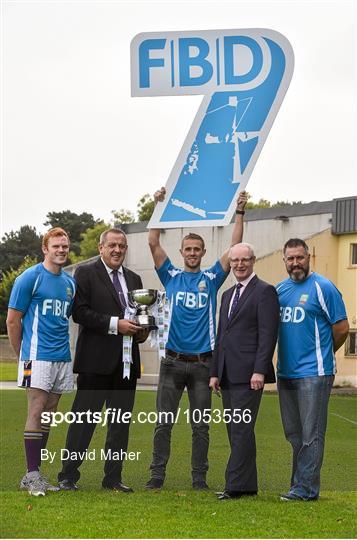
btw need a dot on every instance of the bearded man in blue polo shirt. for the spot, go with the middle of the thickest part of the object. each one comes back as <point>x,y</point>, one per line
<point>313,326</point>
<point>192,295</point>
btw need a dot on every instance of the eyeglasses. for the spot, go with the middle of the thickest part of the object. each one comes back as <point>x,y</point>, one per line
<point>113,245</point>
<point>244,260</point>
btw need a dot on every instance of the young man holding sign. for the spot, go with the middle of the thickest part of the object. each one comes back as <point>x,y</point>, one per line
<point>192,294</point>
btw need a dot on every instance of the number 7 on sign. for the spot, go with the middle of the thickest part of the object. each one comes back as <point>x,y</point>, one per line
<point>244,75</point>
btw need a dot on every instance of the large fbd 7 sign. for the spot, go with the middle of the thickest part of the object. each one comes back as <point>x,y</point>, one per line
<point>244,75</point>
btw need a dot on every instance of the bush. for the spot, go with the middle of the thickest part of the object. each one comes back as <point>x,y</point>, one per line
<point>6,286</point>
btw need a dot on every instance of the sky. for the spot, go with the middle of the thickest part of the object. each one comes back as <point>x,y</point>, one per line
<point>73,138</point>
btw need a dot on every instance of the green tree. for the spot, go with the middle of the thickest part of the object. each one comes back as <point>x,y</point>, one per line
<point>123,216</point>
<point>88,246</point>
<point>145,207</point>
<point>285,203</point>
<point>262,203</point>
<point>74,225</point>
<point>6,284</point>
<point>17,245</point>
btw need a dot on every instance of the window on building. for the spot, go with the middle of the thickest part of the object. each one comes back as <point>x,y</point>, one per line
<point>351,344</point>
<point>353,254</point>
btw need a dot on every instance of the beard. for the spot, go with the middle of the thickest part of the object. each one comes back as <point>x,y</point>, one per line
<point>299,273</point>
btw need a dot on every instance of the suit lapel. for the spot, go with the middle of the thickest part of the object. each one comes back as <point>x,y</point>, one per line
<point>246,293</point>
<point>104,277</point>
<point>128,279</point>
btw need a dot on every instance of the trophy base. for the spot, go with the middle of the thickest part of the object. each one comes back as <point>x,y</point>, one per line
<point>146,321</point>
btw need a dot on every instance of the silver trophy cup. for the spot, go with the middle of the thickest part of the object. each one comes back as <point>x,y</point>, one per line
<point>142,300</point>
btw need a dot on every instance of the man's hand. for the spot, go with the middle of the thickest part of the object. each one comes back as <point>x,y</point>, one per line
<point>142,335</point>
<point>257,381</point>
<point>159,195</point>
<point>214,385</point>
<point>127,328</point>
<point>242,200</point>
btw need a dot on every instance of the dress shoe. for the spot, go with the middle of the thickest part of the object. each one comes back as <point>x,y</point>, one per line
<point>154,483</point>
<point>67,485</point>
<point>226,494</point>
<point>118,486</point>
<point>200,484</point>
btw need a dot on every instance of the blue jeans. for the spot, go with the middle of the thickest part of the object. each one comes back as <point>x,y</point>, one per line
<point>303,407</point>
<point>175,375</point>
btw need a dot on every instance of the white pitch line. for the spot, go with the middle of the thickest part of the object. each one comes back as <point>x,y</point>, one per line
<point>344,418</point>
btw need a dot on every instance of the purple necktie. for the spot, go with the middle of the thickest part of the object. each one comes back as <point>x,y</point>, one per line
<point>118,287</point>
<point>235,300</point>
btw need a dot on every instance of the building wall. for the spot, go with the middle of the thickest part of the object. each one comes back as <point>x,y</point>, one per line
<point>347,284</point>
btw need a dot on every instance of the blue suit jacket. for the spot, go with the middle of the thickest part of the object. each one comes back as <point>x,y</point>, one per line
<point>245,344</point>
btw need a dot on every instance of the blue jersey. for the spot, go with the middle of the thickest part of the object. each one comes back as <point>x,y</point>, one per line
<point>193,303</point>
<point>308,309</point>
<point>45,299</point>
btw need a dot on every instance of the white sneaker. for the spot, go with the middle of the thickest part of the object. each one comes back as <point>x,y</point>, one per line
<point>24,484</point>
<point>33,483</point>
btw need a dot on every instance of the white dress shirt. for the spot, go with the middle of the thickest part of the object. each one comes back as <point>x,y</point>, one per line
<point>244,284</point>
<point>113,325</point>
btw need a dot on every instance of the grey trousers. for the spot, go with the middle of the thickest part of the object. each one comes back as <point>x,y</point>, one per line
<point>175,375</point>
<point>241,470</point>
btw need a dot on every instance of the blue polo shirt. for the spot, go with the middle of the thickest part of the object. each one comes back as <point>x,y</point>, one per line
<point>45,299</point>
<point>193,304</point>
<point>308,309</point>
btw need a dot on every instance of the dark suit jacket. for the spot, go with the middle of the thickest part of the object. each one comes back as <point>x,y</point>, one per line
<point>245,344</point>
<point>95,302</point>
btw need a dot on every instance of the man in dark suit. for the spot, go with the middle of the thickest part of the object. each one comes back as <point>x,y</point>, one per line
<point>105,375</point>
<point>242,363</point>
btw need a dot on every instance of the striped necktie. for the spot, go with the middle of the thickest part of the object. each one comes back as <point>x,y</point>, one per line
<point>118,287</point>
<point>235,300</point>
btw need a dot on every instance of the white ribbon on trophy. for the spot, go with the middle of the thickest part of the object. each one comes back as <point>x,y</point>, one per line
<point>162,313</point>
<point>127,340</point>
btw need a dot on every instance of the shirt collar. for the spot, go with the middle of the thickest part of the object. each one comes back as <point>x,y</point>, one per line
<point>247,280</point>
<point>110,270</point>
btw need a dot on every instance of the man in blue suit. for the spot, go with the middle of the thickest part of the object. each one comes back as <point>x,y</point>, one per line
<point>242,364</point>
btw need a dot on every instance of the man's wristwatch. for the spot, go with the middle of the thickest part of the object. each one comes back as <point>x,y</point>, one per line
<point>240,212</point>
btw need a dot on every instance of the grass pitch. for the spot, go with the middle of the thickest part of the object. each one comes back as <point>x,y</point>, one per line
<point>8,371</point>
<point>177,511</point>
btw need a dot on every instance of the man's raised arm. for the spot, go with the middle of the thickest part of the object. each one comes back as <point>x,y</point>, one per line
<point>237,234</point>
<point>158,253</point>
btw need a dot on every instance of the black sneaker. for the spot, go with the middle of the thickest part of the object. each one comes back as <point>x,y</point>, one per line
<point>67,485</point>
<point>154,483</point>
<point>199,484</point>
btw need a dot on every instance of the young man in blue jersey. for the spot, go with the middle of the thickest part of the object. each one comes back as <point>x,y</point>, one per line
<point>37,324</point>
<point>313,326</point>
<point>192,294</point>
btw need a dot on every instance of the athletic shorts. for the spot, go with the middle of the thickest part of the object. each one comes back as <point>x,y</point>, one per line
<point>55,377</point>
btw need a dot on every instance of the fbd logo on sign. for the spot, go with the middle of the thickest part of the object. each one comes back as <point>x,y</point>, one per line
<point>244,75</point>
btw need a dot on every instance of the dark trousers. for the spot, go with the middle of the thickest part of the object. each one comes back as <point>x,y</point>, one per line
<point>175,375</point>
<point>241,470</point>
<point>93,391</point>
